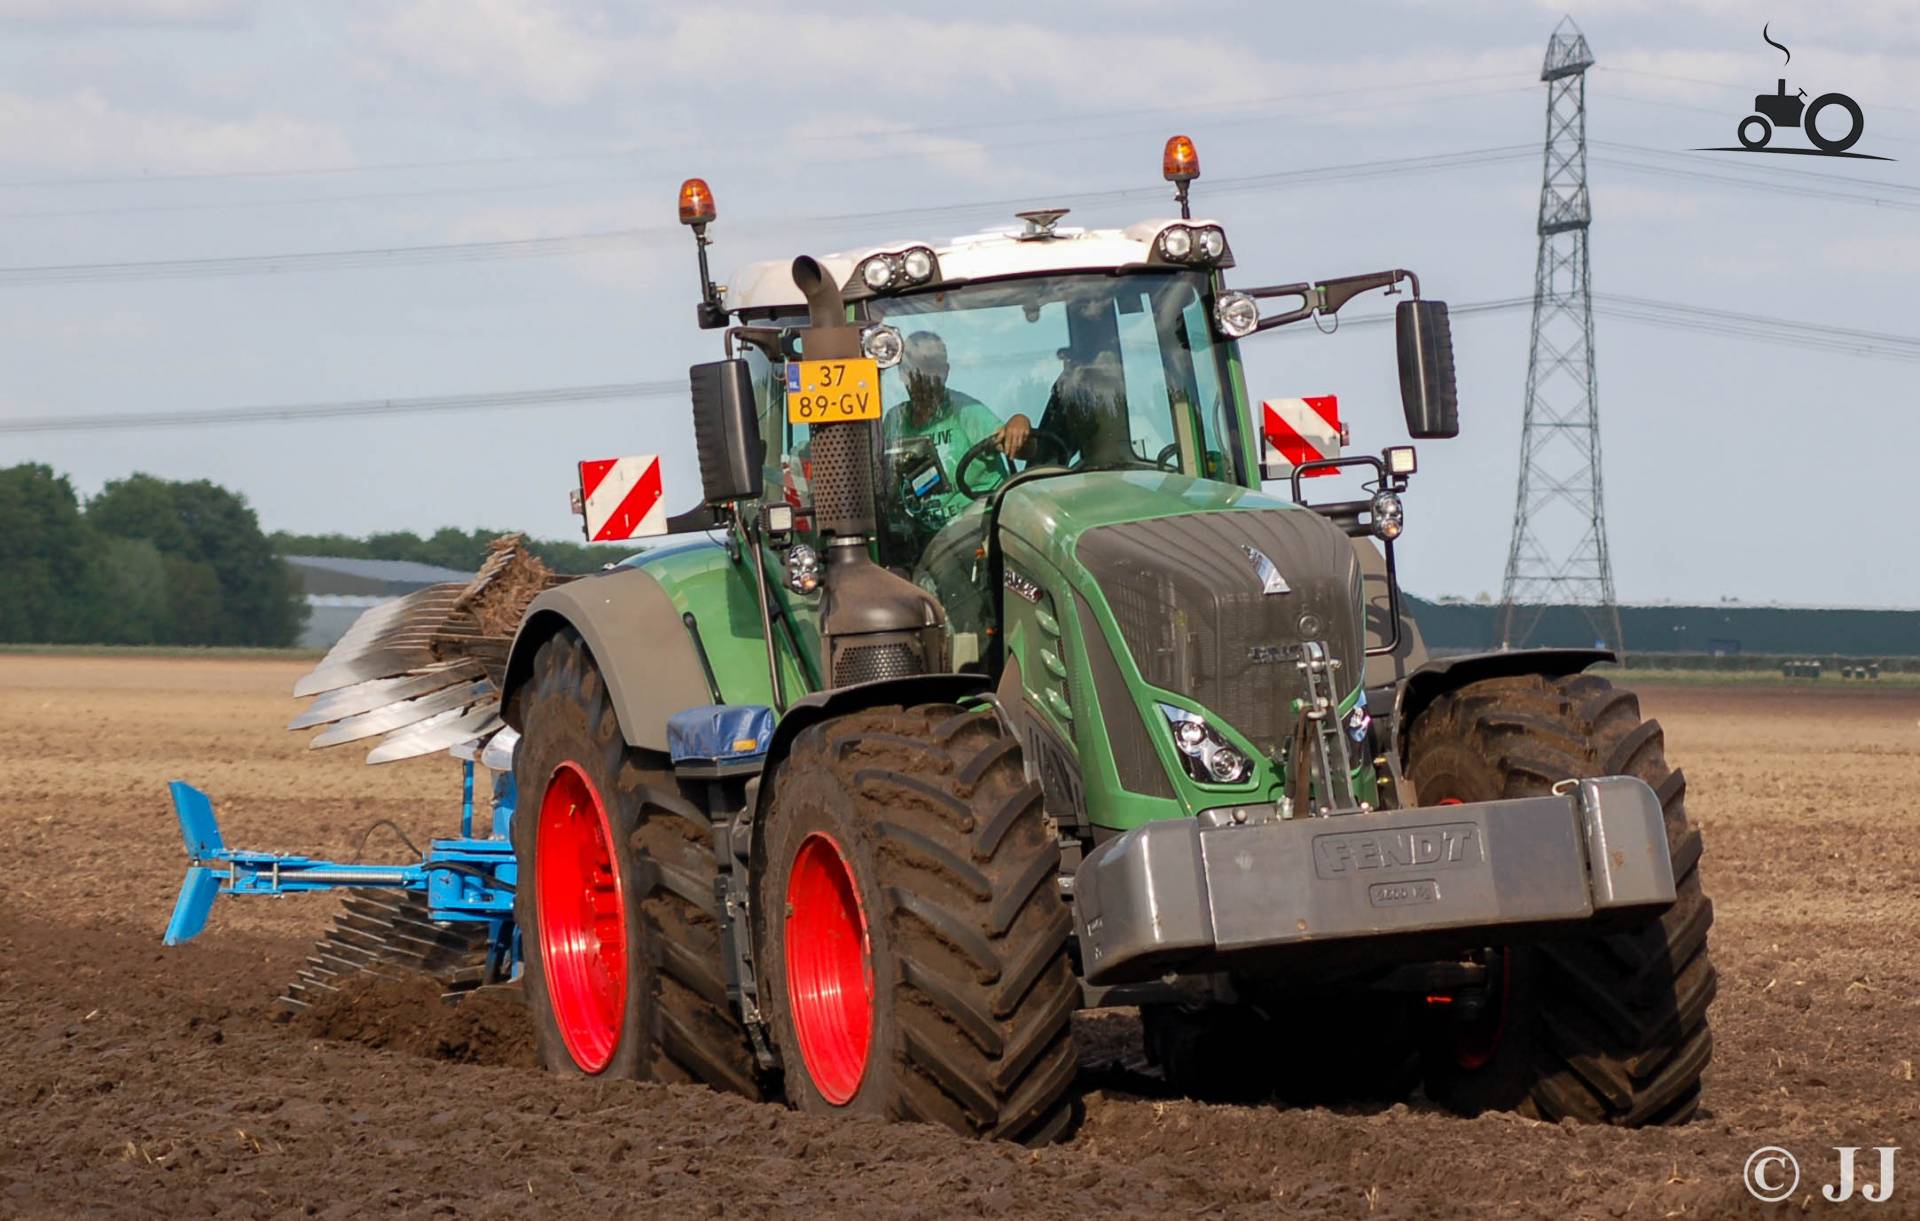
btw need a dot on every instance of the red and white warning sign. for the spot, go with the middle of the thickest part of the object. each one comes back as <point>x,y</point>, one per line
<point>1301,430</point>
<point>620,498</point>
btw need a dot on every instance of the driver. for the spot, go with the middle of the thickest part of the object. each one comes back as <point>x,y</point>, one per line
<point>1086,415</point>
<point>953,421</point>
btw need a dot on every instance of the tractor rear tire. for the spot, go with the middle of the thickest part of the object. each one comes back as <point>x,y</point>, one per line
<point>622,950</point>
<point>911,939</point>
<point>1600,1028</point>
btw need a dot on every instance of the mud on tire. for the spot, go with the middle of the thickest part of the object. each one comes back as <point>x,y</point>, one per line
<point>963,991</point>
<point>1601,1029</point>
<point>676,1025</point>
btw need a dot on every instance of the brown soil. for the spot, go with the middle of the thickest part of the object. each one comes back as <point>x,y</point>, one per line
<point>138,1080</point>
<point>412,1015</point>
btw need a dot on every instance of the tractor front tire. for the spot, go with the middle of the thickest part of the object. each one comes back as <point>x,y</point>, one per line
<point>1600,1029</point>
<point>623,955</point>
<point>911,940</point>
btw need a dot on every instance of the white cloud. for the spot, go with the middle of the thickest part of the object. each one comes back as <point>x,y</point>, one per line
<point>1687,75</point>
<point>854,138</point>
<point>125,12</point>
<point>1614,201</point>
<point>560,56</point>
<point>84,131</point>
<point>1882,255</point>
<point>530,47</point>
<point>1891,19</point>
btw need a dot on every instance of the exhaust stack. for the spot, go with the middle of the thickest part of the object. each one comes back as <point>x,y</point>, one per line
<point>873,623</point>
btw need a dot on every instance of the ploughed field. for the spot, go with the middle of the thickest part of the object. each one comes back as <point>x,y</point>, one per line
<point>141,1080</point>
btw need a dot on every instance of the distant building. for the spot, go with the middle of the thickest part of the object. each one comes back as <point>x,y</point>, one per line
<point>339,589</point>
<point>1723,629</point>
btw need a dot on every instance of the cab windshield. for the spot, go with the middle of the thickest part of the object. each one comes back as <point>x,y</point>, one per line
<point>1062,373</point>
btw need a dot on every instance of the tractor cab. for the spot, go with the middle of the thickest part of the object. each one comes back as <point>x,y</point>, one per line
<point>1007,358</point>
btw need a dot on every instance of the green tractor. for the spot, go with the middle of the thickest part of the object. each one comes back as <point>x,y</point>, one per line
<point>993,686</point>
<point>987,684</point>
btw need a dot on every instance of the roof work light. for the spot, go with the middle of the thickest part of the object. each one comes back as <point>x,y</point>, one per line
<point>696,203</point>
<point>1180,165</point>
<point>697,211</point>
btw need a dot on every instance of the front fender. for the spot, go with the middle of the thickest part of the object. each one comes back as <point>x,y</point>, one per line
<point>821,706</point>
<point>1435,678</point>
<point>636,635</point>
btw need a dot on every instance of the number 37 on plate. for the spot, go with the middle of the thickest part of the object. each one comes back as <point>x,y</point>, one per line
<point>830,391</point>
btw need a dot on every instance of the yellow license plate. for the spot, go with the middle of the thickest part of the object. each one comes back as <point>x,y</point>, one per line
<point>832,391</point>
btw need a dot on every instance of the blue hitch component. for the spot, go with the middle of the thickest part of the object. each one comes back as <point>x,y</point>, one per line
<point>465,879</point>
<point>719,739</point>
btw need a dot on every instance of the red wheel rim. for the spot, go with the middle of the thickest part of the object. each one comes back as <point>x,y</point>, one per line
<point>582,913</point>
<point>829,972</point>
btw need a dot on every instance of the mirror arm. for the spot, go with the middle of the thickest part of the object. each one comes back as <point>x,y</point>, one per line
<point>767,339</point>
<point>1327,296</point>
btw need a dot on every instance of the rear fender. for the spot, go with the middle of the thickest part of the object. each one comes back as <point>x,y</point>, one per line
<point>1435,678</point>
<point>650,663</point>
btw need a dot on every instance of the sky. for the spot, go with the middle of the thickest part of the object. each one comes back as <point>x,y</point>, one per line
<point>170,131</point>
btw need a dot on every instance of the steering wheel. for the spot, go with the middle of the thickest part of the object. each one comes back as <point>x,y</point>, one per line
<point>991,445</point>
<point>1169,459</point>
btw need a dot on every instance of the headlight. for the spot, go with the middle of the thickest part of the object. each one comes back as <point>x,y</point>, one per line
<point>1199,245</point>
<point>897,269</point>
<point>883,344</point>
<point>1389,517</point>
<point>803,569</point>
<point>1236,314</point>
<point>917,265</point>
<point>1203,752</point>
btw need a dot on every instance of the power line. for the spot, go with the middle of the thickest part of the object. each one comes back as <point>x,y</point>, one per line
<point>663,146</point>
<point>1783,182</point>
<point>1666,314</point>
<point>118,421</point>
<point>1767,177</point>
<point>932,154</point>
<point>579,243</point>
<point>1803,183</point>
<point>1740,85</point>
<point>1675,315</point>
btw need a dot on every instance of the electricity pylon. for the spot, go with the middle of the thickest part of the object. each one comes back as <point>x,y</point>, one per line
<point>1559,549</point>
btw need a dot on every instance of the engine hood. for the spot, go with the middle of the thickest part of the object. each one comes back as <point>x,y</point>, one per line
<point>1211,590</point>
<point>1050,515</point>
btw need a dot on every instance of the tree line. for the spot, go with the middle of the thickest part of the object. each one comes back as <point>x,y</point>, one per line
<point>447,547</point>
<point>147,561</point>
<point>157,561</point>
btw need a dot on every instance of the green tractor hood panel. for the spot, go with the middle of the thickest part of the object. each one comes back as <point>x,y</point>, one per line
<point>1050,514</point>
<point>1212,589</point>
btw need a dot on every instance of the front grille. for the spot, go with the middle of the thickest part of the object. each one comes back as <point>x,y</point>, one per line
<point>1139,769</point>
<point>866,663</point>
<point>1194,614</point>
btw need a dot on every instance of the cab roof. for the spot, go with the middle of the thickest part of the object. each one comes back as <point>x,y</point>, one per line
<point>993,254</point>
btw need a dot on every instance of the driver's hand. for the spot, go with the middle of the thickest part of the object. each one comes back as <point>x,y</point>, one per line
<point>1013,435</point>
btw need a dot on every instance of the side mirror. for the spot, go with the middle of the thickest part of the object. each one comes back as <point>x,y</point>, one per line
<point>1427,391</point>
<point>726,430</point>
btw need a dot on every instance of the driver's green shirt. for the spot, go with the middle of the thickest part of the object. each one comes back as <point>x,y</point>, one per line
<point>961,423</point>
